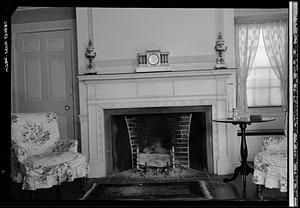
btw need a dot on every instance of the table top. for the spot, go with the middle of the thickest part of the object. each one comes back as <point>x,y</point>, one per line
<point>246,120</point>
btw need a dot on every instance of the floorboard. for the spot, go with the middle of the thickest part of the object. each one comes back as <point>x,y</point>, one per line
<point>231,191</point>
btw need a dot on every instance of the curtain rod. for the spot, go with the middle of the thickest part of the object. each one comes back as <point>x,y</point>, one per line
<point>261,18</point>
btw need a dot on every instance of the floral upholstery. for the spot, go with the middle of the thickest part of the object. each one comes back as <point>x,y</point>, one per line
<point>39,159</point>
<point>270,165</point>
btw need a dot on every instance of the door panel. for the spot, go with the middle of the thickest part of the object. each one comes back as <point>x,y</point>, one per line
<point>32,80</point>
<point>56,79</point>
<point>44,76</point>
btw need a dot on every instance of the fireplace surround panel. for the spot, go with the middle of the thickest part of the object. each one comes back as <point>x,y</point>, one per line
<point>100,93</point>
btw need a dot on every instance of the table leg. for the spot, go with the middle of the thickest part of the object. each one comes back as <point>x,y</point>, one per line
<point>244,154</point>
<point>237,170</point>
<point>244,169</point>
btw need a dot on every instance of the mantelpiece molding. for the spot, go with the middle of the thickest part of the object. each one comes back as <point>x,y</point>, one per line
<point>142,90</point>
<point>191,73</point>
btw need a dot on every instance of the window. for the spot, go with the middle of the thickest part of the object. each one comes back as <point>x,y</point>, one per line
<point>263,86</point>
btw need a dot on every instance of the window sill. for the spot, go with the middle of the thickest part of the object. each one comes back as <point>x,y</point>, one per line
<point>266,110</point>
<point>279,106</point>
<point>262,132</point>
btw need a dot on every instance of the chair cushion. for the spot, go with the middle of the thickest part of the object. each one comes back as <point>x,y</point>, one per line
<point>271,158</point>
<point>35,133</point>
<point>44,164</point>
<point>45,171</point>
<point>270,169</point>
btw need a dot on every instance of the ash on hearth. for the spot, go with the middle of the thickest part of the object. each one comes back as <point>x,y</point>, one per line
<point>160,172</point>
<point>178,173</point>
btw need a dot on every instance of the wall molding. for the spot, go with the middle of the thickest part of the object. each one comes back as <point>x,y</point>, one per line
<point>43,26</point>
<point>221,73</point>
<point>30,8</point>
<point>172,60</point>
<point>176,63</point>
<point>129,65</point>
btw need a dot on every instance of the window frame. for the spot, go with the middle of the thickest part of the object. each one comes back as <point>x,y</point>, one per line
<point>264,106</point>
<point>260,16</point>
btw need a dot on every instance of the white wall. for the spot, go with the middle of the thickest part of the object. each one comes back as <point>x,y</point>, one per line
<point>120,33</point>
<point>188,34</point>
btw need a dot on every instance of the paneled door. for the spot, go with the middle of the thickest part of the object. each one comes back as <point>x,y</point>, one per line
<point>44,76</point>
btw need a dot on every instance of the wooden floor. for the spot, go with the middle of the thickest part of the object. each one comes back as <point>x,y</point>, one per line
<point>224,194</point>
<point>231,191</point>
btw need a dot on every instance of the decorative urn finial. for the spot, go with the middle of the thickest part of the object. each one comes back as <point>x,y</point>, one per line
<point>220,48</point>
<point>90,54</point>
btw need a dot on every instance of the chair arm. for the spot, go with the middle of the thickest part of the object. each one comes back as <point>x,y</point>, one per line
<point>18,152</point>
<point>65,145</point>
<point>274,143</point>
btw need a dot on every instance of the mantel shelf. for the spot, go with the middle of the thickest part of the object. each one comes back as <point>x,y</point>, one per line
<point>144,75</point>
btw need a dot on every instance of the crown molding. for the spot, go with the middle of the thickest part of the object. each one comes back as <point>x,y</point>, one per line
<point>30,8</point>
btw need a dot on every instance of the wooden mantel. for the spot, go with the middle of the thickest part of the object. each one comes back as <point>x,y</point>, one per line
<point>167,74</point>
<point>101,92</point>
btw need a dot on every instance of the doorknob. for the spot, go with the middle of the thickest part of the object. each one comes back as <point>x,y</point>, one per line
<point>67,107</point>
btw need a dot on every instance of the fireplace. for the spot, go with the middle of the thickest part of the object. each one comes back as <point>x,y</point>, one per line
<point>187,129</point>
<point>109,101</point>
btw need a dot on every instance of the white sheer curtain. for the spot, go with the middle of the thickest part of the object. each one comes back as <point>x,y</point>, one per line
<point>275,36</point>
<point>247,38</point>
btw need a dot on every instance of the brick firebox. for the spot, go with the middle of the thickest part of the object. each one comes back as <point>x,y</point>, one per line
<point>188,129</point>
<point>177,128</point>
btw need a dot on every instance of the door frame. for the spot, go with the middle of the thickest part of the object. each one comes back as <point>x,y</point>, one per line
<point>47,27</point>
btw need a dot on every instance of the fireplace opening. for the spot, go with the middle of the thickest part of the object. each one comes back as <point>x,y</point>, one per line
<point>156,131</point>
<point>153,132</point>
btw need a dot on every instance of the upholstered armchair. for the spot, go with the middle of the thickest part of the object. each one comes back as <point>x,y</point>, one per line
<point>39,158</point>
<point>270,165</point>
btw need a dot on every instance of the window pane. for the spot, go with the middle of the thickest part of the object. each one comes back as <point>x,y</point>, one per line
<point>261,73</point>
<point>275,96</point>
<point>274,83</point>
<point>273,75</point>
<point>261,96</point>
<point>250,97</point>
<point>262,82</point>
<point>250,83</point>
<point>263,60</point>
